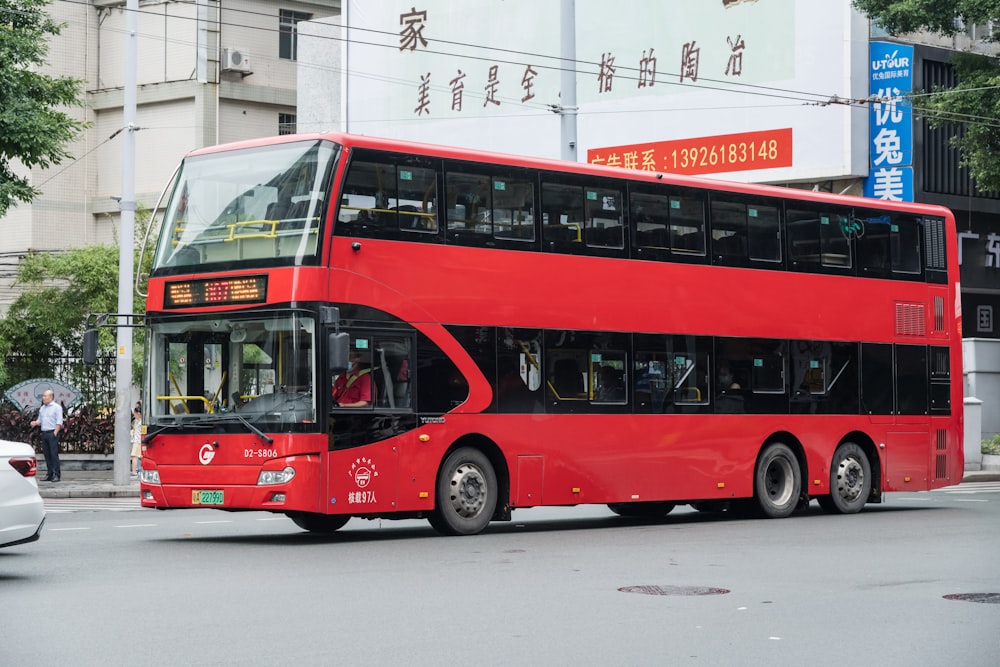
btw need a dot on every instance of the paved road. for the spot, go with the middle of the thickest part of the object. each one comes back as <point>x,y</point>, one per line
<point>557,586</point>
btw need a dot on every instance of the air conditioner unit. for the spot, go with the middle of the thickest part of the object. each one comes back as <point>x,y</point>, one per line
<point>236,60</point>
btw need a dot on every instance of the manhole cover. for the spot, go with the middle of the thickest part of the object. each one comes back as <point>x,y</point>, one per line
<point>986,598</point>
<point>674,590</point>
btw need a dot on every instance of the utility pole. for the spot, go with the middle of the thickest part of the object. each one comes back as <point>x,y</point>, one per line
<point>567,80</point>
<point>126,252</point>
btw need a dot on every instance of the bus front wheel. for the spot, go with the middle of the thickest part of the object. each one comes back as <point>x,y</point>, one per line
<point>466,493</point>
<point>850,481</point>
<point>777,481</point>
<point>318,523</point>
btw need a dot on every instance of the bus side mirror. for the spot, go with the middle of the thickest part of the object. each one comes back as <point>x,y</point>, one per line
<point>90,347</point>
<point>339,348</point>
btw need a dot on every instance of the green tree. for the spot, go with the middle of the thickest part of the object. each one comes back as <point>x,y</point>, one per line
<point>974,104</point>
<point>945,17</point>
<point>33,132</point>
<point>59,291</point>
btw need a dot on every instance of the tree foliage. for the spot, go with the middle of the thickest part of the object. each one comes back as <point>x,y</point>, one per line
<point>946,17</point>
<point>33,130</point>
<point>59,291</point>
<point>974,103</point>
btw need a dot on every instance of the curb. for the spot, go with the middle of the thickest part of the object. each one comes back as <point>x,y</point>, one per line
<point>103,492</point>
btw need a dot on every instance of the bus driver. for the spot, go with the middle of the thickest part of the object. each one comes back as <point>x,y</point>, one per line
<point>353,389</point>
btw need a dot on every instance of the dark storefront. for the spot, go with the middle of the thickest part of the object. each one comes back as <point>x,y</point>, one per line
<point>940,179</point>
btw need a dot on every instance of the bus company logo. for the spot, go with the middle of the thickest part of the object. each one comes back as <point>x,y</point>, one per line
<point>363,471</point>
<point>206,454</point>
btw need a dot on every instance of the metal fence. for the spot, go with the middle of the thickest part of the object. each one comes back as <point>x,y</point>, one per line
<point>89,424</point>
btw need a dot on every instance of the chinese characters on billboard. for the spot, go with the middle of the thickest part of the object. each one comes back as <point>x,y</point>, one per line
<point>891,123</point>
<point>639,68</point>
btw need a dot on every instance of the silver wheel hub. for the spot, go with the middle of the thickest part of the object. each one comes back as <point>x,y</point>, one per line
<point>778,481</point>
<point>850,479</point>
<point>468,490</point>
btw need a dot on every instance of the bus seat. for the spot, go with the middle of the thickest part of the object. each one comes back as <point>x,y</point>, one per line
<point>692,242</point>
<point>652,238</point>
<point>383,392</point>
<point>607,237</point>
<point>561,233</point>
<point>732,245</point>
<point>567,380</point>
<point>299,210</point>
<point>410,221</point>
<point>278,210</point>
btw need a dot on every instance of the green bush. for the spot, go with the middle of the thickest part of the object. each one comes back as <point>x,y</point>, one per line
<point>992,446</point>
<point>85,430</point>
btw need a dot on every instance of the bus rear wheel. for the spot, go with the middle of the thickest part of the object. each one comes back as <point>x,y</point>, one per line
<point>850,481</point>
<point>777,481</point>
<point>318,523</point>
<point>466,493</point>
<point>650,510</point>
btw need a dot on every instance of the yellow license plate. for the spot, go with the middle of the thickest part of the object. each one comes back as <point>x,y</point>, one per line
<point>206,497</point>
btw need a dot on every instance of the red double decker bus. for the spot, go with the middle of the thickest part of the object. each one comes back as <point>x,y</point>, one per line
<point>342,326</point>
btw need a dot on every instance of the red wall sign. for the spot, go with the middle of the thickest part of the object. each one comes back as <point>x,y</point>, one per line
<point>703,155</point>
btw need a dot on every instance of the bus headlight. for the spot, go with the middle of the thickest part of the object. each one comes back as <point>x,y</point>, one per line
<point>150,476</point>
<point>271,477</point>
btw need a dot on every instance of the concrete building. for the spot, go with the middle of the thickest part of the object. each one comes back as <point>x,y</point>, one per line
<point>503,76</point>
<point>208,71</point>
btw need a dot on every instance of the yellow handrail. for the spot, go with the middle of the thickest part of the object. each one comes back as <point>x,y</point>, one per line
<point>219,390</point>
<point>178,388</point>
<point>417,214</point>
<point>204,400</point>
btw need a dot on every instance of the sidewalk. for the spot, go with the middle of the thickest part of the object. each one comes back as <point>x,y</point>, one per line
<point>86,484</point>
<point>101,484</point>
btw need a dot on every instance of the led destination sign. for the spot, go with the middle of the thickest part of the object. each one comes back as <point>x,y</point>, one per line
<point>215,292</point>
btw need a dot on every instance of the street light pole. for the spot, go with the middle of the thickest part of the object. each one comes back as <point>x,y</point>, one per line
<point>567,80</point>
<point>126,252</point>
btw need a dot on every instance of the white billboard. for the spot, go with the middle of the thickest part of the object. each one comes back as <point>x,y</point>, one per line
<point>752,90</point>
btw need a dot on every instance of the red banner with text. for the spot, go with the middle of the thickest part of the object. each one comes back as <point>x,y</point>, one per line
<point>766,149</point>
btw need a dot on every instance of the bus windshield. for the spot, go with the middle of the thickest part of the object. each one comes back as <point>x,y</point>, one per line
<point>253,204</point>
<point>212,370</point>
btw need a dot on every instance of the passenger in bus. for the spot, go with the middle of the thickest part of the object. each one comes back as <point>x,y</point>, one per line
<point>727,380</point>
<point>729,397</point>
<point>353,389</point>
<point>611,384</point>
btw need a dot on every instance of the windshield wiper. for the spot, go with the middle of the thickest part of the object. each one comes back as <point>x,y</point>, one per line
<point>243,420</point>
<point>160,428</point>
<point>208,422</point>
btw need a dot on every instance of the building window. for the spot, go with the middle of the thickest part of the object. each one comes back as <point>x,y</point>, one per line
<point>288,34</point>
<point>286,123</point>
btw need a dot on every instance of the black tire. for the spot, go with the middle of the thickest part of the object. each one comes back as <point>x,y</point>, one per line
<point>318,523</point>
<point>777,482</point>
<point>826,504</point>
<point>466,493</point>
<point>710,506</point>
<point>650,510</point>
<point>850,480</point>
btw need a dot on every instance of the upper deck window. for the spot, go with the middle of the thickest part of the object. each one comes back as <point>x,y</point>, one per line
<point>388,197</point>
<point>889,244</point>
<point>484,207</point>
<point>819,238</point>
<point>254,206</point>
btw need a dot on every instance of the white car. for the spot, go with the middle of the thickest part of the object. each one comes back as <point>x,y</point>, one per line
<point>22,511</point>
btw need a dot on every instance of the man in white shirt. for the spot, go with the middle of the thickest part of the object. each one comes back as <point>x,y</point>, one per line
<point>50,419</point>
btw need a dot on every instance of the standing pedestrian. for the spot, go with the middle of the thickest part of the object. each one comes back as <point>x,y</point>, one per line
<point>136,439</point>
<point>50,419</point>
